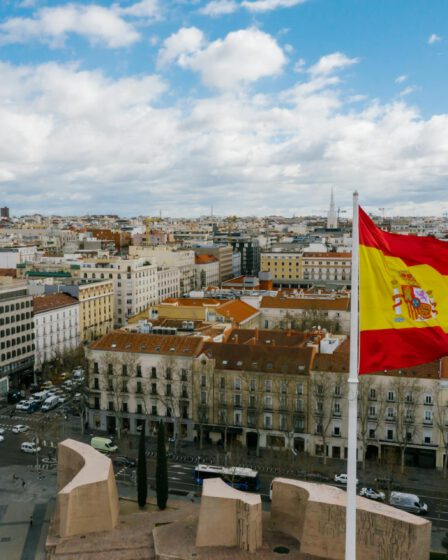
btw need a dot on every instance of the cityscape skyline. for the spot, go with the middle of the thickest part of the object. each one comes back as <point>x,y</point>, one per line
<point>139,105</point>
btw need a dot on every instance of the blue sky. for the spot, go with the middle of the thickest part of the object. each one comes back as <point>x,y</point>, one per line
<point>254,106</point>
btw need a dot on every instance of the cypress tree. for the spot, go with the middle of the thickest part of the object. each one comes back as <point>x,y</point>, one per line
<point>161,469</point>
<point>142,482</point>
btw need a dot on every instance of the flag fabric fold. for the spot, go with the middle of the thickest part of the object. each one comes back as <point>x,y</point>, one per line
<point>403,298</point>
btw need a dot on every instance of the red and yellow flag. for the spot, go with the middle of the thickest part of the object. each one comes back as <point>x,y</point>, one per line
<point>403,298</point>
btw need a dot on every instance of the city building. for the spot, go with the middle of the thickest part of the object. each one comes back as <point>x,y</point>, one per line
<point>56,320</point>
<point>207,270</point>
<point>225,255</point>
<point>134,378</point>
<point>135,283</point>
<point>168,282</point>
<point>327,268</point>
<point>332,218</point>
<point>4,212</point>
<point>284,266</point>
<point>16,332</point>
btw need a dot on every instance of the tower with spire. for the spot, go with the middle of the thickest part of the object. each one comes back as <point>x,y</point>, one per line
<point>332,218</point>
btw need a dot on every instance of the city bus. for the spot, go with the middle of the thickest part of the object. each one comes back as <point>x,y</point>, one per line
<point>237,477</point>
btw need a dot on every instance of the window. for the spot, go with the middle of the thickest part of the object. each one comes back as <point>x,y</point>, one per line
<point>222,398</point>
<point>427,439</point>
<point>183,375</point>
<point>299,405</point>
<point>139,371</point>
<point>284,387</point>
<point>336,431</point>
<point>203,381</point>
<point>237,399</point>
<point>252,385</point>
<point>428,399</point>
<point>96,383</point>
<point>237,383</point>
<point>337,390</point>
<point>168,390</point>
<point>139,409</point>
<point>390,413</point>
<point>124,370</point>
<point>390,396</point>
<point>372,411</point>
<point>139,387</point>
<point>110,369</point>
<point>110,405</point>
<point>372,433</point>
<point>222,382</point>
<point>268,421</point>
<point>390,434</point>
<point>337,409</point>
<point>319,389</point>
<point>319,407</point>
<point>204,397</point>
<point>428,417</point>
<point>153,373</point>
<point>154,410</point>
<point>319,429</point>
<point>268,402</point>
<point>95,367</point>
<point>168,373</point>
<point>125,407</point>
<point>153,388</point>
<point>268,386</point>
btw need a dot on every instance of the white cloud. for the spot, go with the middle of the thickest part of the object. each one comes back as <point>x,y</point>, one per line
<point>434,39</point>
<point>299,66</point>
<point>75,141</point>
<point>143,9</point>
<point>219,8</point>
<point>268,5</point>
<point>401,79</point>
<point>185,41</point>
<point>331,63</point>
<point>242,57</point>
<point>96,23</point>
<point>222,7</point>
<point>407,91</point>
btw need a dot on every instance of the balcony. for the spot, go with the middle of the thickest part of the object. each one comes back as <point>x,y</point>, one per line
<point>390,418</point>
<point>336,414</point>
<point>427,422</point>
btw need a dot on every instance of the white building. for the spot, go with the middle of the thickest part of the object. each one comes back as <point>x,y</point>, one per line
<point>182,259</point>
<point>57,327</point>
<point>168,282</point>
<point>135,283</point>
<point>207,271</point>
<point>332,219</point>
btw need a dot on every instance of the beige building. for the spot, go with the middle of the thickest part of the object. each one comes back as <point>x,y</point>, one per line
<point>224,254</point>
<point>327,267</point>
<point>299,312</point>
<point>134,280</point>
<point>136,377</point>
<point>96,309</point>
<point>254,391</point>
<point>285,268</point>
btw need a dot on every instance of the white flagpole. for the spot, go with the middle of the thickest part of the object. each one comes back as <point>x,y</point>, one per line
<point>350,527</point>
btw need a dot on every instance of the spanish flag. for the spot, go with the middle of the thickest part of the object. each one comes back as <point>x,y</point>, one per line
<point>403,298</point>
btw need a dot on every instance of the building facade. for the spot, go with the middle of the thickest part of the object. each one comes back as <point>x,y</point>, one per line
<point>136,378</point>
<point>16,333</point>
<point>57,327</point>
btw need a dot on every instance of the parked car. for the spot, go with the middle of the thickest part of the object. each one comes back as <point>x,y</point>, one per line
<point>20,428</point>
<point>408,502</point>
<point>14,396</point>
<point>31,406</point>
<point>2,439</point>
<point>20,405</point>
<point>342,478</point>
<point>123,461</point>
<point>2,431</point>
<point>29,447</point>
<point>372,494</point>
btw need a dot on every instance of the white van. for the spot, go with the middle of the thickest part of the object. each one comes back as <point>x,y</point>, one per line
<point>41,396</point>
<point>29,447</point>
<point>408,502</point>
<point>50,403</point>
<point>105,445</point>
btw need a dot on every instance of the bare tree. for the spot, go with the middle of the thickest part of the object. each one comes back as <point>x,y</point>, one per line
<point>327,390</point>
<point>367,412</point>
<point>441,420</point>
<point>402,405</point>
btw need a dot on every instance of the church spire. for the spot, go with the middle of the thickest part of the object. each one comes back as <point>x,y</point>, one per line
<point>332,218</point>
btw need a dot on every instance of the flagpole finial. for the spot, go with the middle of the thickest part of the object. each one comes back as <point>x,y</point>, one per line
<point>355,193</point>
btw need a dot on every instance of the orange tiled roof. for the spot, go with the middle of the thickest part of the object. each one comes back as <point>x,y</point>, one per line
<point>205,259</point>
<point>237,311</point>
<point>169,345</point>
<point>339,304</point>
<point>52,301</point>
<point>272,337</point>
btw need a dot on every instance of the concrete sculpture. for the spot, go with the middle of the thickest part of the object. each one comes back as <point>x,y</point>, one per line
<point>315,515</point>
<point>87,499</point>
<point>229,517</point>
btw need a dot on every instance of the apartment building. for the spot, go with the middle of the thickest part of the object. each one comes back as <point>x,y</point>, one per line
<point>134,280</point>
<point>299,312</point>
<point>16,332</point>
<point>168,282</point>
<point>136,378</point>
<point>285,268</point>
<point>256,394</point>
<point>57,326</point>
<point>225,255</point>
<point>327,267</point>
<point>207,270</point>
<point>96,304</point>
<point>402,414</point>
<point>182,259</point>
